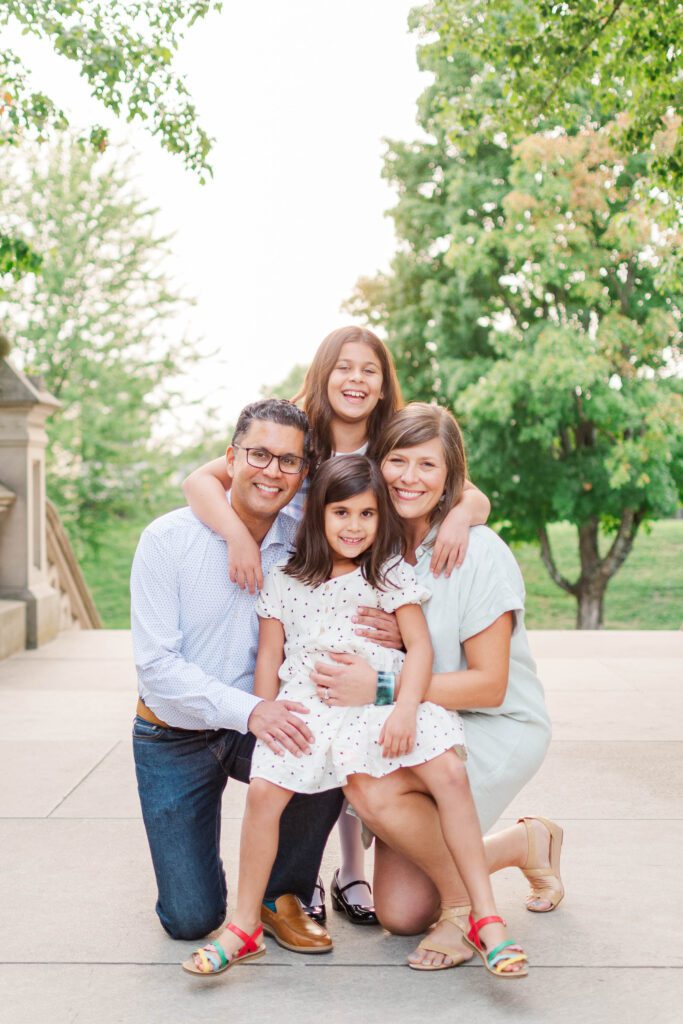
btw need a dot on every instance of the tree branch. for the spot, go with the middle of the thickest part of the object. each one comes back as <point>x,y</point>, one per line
<point>622,544</point>
<point>582,52</point>
<point>549,562</point>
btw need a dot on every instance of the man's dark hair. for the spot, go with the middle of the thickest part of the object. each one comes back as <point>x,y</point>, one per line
<point>274,410</point>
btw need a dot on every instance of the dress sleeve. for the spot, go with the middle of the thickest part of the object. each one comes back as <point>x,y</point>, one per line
<point>269,601</point>
<point>489,590</point>
<point>402,588</point>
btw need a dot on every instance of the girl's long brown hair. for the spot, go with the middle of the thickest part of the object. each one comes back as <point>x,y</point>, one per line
<point>336,480</point>
<point>419,422</point>
<point>313,393</point>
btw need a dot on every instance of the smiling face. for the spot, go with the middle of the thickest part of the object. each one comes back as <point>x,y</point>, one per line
<point>354,386</point>
<point>416,478</point>
<point>260,493</point>
<point>351,526</point>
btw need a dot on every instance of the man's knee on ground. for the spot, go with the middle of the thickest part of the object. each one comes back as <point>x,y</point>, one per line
<point>192,923</point>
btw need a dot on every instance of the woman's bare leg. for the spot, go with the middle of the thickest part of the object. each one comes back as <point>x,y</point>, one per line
<point>399,811</point>
<point>258,849</point>
<point>446,778</point>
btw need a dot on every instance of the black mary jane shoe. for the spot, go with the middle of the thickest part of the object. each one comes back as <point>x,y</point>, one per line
<point>317,911</point>
<point>356,913</point>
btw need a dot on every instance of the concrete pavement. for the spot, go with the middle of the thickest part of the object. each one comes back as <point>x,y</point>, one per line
<point>79,940</point>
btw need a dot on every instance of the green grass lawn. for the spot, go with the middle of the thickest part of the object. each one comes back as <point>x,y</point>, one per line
<point>647,593</point>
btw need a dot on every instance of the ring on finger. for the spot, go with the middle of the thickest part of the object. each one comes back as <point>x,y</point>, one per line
<point>326,692</point>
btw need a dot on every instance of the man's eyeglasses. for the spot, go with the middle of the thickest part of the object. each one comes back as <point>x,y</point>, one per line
<point>259,458</point>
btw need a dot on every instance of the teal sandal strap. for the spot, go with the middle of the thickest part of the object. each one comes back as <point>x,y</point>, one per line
<point>498,949</point>
<point>219,962</point>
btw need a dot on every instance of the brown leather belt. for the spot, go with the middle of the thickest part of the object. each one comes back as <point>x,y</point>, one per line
<point>143,711</point>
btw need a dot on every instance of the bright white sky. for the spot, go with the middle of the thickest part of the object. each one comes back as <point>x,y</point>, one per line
<point>298,96</point>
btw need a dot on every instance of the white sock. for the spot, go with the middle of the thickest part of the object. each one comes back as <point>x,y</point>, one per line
<point>353,859</point>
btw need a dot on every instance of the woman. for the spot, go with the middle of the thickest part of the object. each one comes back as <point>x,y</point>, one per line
<point>482,668</point>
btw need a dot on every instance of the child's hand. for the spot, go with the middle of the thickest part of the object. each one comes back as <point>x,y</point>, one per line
<point>398,732</point>
<point>244,562</point>
<point>452,540</point>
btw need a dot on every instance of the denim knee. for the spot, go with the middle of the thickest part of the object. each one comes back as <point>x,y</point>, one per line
<point>191,923</point>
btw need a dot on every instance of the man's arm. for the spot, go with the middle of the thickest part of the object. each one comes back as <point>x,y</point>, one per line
<point>179,692</point>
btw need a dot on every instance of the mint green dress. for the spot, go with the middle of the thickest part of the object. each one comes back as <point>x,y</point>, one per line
<point>506,745</point>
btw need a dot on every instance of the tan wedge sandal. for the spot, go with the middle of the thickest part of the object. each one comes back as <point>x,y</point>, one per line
<point>458,916</point>
<point>546,883</point>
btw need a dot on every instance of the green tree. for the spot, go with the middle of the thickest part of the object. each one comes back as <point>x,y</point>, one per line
<point>549,63</point>
<point>125,52</point>
<point>535,292</point>
<point>96,324</point>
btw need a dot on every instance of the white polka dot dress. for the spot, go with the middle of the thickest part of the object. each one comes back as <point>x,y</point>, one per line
<point>318,621</point>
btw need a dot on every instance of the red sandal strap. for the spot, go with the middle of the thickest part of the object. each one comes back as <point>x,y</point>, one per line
<point>473,934</point>
<point>250,944</point>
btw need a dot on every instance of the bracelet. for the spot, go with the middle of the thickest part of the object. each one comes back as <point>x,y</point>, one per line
<point>386,684</point>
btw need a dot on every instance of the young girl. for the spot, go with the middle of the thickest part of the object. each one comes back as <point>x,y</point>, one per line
<point>346,553</point>
<point>349,395</point>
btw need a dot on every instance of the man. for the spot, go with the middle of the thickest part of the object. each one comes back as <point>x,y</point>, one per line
<point>195,636</point>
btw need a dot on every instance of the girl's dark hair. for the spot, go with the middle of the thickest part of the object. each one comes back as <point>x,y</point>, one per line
<point>336,480</point>
<point>313,393</point>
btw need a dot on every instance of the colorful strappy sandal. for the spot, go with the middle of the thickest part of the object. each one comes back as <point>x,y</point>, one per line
<point>213,959</point>
<point>501,956</point>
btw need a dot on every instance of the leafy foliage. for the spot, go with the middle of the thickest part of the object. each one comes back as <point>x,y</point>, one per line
<point>544,63</point>
<point>95,324</point>
<point>537,291</point>
<point>125,52</point>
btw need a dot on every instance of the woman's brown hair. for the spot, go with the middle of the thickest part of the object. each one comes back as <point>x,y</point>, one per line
<point>418,423</point>
<point>313,393</point>
<point>336,480</point>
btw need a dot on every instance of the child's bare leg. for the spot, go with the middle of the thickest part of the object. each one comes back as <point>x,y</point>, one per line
<point>258,849</point>
<point>446,779</point>
<point>353,859</point>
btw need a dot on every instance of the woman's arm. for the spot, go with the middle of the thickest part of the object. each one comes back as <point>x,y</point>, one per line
<point>271,654</point>
<point>398,734</point>
<point>205,492</point>
<point>484,682</point>
<point>450,546</point>
<point>351,681</point>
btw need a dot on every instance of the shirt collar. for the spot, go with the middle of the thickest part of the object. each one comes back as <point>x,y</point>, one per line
<point>425,548</point>
<point>280,531</point>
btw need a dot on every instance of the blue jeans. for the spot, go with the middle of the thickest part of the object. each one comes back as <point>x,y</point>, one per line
<point>181,777</point>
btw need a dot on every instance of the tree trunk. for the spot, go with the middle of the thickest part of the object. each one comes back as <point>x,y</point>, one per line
<point>589,589</point>
<point>590,598</point>
<point>596,572</point>
<point>591,584</point>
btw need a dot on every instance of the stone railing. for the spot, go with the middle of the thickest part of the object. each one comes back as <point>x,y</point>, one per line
<point>42,589</point>
<point>76,607</point>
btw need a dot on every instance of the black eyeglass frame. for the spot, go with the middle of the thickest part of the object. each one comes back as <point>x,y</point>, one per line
<point>288,472</point>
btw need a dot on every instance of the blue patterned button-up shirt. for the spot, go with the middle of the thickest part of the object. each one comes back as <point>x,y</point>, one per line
<point>195,634</point>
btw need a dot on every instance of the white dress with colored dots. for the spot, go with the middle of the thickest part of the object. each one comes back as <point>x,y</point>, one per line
<point>318,621</point>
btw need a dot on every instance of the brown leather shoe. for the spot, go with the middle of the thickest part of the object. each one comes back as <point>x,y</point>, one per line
<point>292,928</point>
